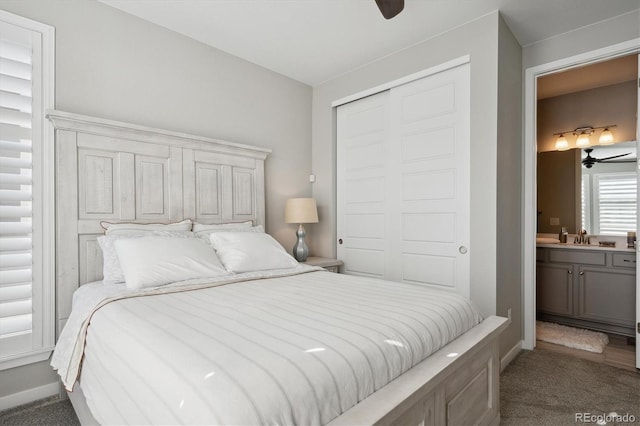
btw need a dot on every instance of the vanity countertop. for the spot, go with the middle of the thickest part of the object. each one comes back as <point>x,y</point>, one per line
<point>571,246</point>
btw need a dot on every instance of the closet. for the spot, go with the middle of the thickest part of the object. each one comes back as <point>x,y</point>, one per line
<point>403,182</point>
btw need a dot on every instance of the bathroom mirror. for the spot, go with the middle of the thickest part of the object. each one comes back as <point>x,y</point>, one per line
<point>603,197</point>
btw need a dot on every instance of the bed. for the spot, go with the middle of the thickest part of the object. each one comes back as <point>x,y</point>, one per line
<point>301,345</point>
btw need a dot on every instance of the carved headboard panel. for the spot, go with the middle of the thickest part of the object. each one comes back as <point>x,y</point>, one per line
<point>108,170</point>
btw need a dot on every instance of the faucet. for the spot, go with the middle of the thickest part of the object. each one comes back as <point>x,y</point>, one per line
<point>582,237</point>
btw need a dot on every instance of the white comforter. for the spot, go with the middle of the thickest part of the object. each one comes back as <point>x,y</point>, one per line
<point>296,349</point>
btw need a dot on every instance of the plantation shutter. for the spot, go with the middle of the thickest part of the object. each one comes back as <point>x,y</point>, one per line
<point>16,231</point>
<point>616,193</point>
<point>27,245</point>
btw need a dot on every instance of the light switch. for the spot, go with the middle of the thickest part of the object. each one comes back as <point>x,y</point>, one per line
<point>312,178</point>
<point>554,221</point>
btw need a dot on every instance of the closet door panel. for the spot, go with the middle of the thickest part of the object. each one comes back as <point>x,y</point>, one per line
<point>403,182</point>
<point>430,128</point>
<point>362,198</point>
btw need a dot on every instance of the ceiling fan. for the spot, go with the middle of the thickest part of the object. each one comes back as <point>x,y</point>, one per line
<point>390,8</point>
<point>589,161</point>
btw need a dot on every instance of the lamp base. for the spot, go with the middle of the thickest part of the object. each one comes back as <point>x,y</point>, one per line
<point>300,249</point>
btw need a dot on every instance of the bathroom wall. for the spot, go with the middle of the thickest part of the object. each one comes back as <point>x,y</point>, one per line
<point>614,104</point>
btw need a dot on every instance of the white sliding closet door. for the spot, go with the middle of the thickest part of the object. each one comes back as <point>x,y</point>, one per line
<point>363,133</point>
<point>403,182</point>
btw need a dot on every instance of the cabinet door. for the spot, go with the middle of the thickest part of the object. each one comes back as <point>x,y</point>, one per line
<point>554,289</point>
<point>607,296</point>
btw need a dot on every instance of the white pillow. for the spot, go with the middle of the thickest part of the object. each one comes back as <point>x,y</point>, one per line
<point>203,230</point>
<point>250,251</point>
<point>129,227</point>
<point>111,270</point>
<point>154,261</point>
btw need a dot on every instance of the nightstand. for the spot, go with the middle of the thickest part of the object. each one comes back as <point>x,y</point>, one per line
<point>331,265</point>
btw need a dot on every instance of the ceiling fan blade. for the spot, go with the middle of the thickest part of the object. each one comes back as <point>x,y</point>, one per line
<point>630,160</point>
<point>600,160</point>
<point>390,8</point>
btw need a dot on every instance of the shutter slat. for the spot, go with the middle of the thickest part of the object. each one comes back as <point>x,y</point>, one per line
<point>13,133</point>
<point>14,276</point>
<point>15,68</point>
<point>15,244</point>
<point>15,101</point>
<point>15,260</point>
<point>14,195</point>
<point>14,293</point>
<point>15,146</point>
<point>15,51</point>
<point>15,324</point>
<point>15,228</point>
<point>10,309</point>
<point>9,178</point>
<point>15,85</point>
<point>14,212</point>
<point>17,118</point>
<point>18,163</point>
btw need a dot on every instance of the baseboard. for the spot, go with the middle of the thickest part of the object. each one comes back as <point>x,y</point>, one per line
<point>510,356</point>
<point>29,395</point>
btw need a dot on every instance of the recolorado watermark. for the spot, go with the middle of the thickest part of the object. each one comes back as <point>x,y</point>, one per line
<point>603,418</point>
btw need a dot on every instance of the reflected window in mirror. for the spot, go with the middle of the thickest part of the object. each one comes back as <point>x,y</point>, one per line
<point>609,202</point>
<point>601,199</point>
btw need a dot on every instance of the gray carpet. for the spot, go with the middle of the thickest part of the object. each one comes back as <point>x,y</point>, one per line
<point>49,412</point>
<point>546,388</point>
<point>538,388</point>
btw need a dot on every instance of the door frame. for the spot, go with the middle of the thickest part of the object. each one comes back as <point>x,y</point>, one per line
<point>529,169</point>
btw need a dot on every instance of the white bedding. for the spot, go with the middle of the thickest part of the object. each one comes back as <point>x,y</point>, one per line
<point>300,348</point>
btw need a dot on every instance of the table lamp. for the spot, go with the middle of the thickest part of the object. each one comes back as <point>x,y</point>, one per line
<point>301,210</point>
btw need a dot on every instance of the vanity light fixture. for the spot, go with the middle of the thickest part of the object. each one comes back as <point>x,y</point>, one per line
<point>583,140</point>
<point>606,137</point>
<point>562,144</point>
<point>583,137</point>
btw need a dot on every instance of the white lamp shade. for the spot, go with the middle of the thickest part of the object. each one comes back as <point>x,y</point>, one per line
<point>583,140</point>
<point>301,210</point>
<point>562,144</point>
<point>606,137</point>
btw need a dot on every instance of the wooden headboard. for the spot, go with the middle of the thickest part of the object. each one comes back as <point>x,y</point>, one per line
<point>119,172</point>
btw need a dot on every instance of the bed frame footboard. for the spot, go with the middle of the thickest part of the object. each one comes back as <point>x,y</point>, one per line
<point>458,385</point>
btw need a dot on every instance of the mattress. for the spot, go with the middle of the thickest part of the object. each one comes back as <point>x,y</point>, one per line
<point>288,348</point>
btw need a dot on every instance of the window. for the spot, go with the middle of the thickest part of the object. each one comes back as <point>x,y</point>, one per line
<point>27,279</point>
<point>613,198</point>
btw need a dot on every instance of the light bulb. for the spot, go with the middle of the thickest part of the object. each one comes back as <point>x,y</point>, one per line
<point>583,140</point>
<point>562,144</point>
<point>606,137</point>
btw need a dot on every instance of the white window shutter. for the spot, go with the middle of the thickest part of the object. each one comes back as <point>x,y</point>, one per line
<point>616,202</point>
<point>26,199</point>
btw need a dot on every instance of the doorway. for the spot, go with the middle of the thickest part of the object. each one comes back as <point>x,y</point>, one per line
<point>530,174</point>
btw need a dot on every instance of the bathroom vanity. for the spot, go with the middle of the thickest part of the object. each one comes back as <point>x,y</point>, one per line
<point>587,286</point>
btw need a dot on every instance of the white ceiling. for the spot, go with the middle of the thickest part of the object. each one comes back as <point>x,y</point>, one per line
<point>316,40</point>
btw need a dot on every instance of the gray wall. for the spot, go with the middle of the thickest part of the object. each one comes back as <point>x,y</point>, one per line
<point>614,104</point>
<point>479,39</point>
<point>592,37</point>
<point>509,187</point>
<point>116,66</point>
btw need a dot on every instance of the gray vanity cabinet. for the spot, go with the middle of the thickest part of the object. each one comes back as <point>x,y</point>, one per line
<point>554,289</point>
<point>585,288</point>
<point>607,296</point>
